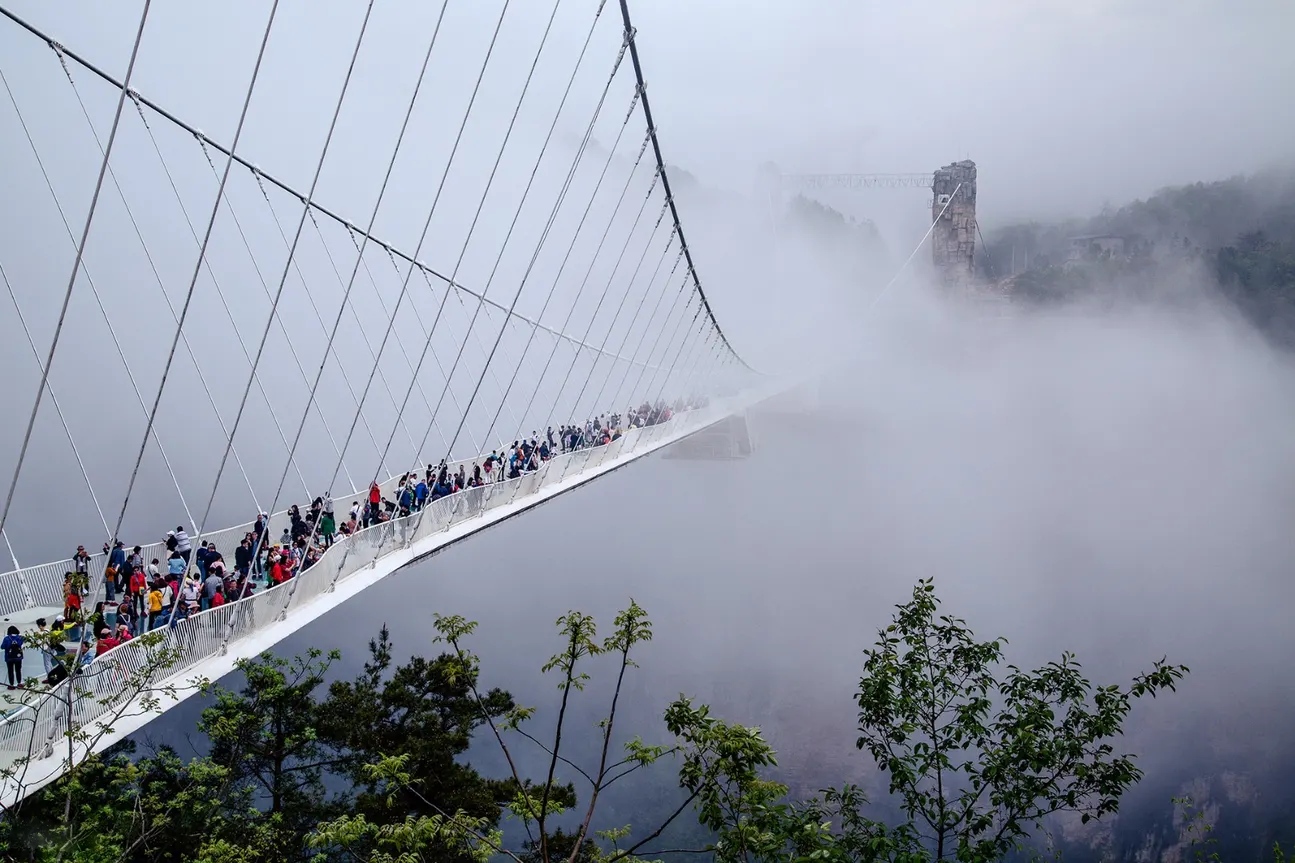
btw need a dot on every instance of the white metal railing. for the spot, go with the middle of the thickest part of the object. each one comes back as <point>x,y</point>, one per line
<point>39,728</point>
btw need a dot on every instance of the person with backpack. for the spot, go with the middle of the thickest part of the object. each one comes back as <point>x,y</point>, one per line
<point>12,647</point>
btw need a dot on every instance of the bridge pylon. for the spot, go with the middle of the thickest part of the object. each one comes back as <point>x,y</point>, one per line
<point>953,210</point>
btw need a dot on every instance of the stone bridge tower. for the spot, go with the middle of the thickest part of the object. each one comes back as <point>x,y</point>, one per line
<point>953,242</point>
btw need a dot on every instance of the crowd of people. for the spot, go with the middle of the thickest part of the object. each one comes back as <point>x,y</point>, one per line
<point>140,596</point>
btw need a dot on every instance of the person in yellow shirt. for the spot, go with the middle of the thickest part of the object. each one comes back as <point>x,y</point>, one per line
<point>154,605</point>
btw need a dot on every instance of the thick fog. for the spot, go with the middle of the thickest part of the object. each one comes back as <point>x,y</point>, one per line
<point>1119,482</point>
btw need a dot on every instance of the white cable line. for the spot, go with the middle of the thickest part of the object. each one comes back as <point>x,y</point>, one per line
<point>238,331</point>
<point>99,303</point>
<point>425,332</point>
<point>629,179</point>
<point>400,137</point>
<point>426,227</point>
<point>543,234</point>
<point>553,283</point>
<point>471,230</point>
<point>67,430</point>
<point>665,352</point>
<point>665,253</point>
<point>278,296</point>
<point>647,328</point>
<point>76,266</point>
<point>5,534</point>
<point>916,249</point>
<point>310,298</point>
<point>476,337</point>
<point>315,205</point>
<point>210,272</point>
<point>197,268</point>
<point>620,307</point>
<point>139,234</point>
<point>691,346</point>
<point>674,305</point>
<point>341,366</point>
<point>656,175</point>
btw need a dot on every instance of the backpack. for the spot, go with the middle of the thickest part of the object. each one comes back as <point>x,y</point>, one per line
<point>12,648</point>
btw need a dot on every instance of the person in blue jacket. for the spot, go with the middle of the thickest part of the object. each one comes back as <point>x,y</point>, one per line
<point>12,647</point>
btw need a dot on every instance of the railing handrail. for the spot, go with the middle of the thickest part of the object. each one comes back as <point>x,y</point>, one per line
<point>98,560</point>
<point>122,657</point>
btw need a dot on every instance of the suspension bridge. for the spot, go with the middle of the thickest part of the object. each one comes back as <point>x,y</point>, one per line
<point>206,329</point>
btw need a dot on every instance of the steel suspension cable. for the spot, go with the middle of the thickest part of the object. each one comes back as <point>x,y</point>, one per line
<point>283,280</point>
<point>359,324</point>
<point>629,287</point>
<point>197,268</point>
<point>629,179</point>
<point>566,185</point>
<point>553,214</point>
<point>238,331</point>
<point>400,137</point>
<point>674,305</point>
<point>157,277</point>
<point>665,290</point>
<point>678,325</point>
<point>273,180</point>
<point>76,266</point>
<point>603,296</point>
<point>5,534</point>
<point>449,378</point>
<point>690,345</point>
<point>916,249</point>
<point>426,224</point>
<point>566,258</point>
<point>94,292</point>
<point>665,253</point>
<point>485,355</point>
<point>424,332</point>
<point>67,430</point>
<point>166,297</point>
<point>665,178</point>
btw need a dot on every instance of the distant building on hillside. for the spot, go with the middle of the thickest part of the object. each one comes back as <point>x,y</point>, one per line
<point>1096,246</point>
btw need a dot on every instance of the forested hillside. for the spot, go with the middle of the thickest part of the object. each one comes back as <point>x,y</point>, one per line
<point>1239,233</point>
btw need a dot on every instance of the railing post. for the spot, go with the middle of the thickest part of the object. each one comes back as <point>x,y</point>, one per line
<point>26,592</point>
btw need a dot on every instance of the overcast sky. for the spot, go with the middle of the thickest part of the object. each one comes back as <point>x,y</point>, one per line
<point>1063,105</point>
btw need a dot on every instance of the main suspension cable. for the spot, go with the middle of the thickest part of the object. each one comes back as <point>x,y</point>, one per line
<point>148,255</point>
<point>665,253</point>
<point>629,287</point>
<point>548,226</point>
<point>197,268</point>
<point>395,312</point>
<point>665,179</point>
<point>566,258</point>
<point>67,430</point>
<point>76,267</point>
<point>603,296</point>
<point>629,179</point>
<point>94,292</point>
<point>451,285</point>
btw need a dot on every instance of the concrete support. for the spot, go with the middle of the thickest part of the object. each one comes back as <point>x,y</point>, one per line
<point>953,242</point>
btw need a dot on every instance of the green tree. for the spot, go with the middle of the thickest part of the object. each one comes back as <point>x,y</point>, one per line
<point>718,761</point>
<point>424,711</point>
<point>266,736</point>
